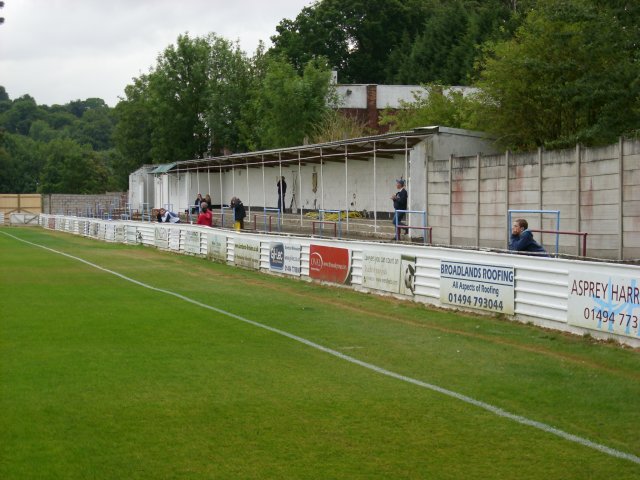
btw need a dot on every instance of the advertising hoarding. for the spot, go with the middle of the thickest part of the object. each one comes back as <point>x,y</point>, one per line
<point>331,264</point>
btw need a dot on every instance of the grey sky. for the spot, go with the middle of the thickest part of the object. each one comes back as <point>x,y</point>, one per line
<point>63,50</point>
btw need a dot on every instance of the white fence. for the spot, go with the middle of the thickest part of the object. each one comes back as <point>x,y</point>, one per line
<point>601,299</point>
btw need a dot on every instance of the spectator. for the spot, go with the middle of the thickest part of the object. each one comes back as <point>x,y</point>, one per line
<point>400,203</point>
<point>196,204</point>
<point>522,239</point>
<point>165,216</point>
<point>205,217</point>
<point>238,213</point>
<point>282,190</point>
<point>207,198</point>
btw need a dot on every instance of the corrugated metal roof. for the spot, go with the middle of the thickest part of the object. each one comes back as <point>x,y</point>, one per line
<point>354,148</point>
<point>164,168</point>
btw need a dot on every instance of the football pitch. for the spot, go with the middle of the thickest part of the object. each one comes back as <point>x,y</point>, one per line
<point>125,362</point>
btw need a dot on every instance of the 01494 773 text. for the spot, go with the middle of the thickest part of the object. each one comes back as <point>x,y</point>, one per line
<point>607,316</point>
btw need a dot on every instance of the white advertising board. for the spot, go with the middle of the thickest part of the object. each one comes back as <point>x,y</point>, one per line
<point>192,242</point>
<point>606,303</point>
<point>285,257</point>
<point>389,272</point>
<point>474,285</point>
<point>247,254</point>
<point>381,271</point>
<point>407,275</point>
<point>162,237</point>
<point>217,247</point>
<point>120,233</point>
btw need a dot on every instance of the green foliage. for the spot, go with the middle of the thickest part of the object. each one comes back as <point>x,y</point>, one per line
<point>399,41</point>
<point>18,118</point>
<point>334,126</point>
<point>569,75</point>
<point>290,105</point>
<point>439,106</point>
<point>178,90</point>
<point>356,36</point>
<point>229,89</point>
<point>30,133</point>
<point>71,168</point>
<point>446,48</point>
<point>20,163</point>
<point>132,134</point>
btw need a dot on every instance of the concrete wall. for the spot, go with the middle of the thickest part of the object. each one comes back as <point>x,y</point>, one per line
<point>82,205</point>
<point>597,191</point>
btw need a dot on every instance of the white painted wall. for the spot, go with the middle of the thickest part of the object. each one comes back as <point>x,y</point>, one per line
<point>387,96</point>
<point>141,187</point>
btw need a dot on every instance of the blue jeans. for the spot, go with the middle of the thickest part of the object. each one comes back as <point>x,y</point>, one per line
<point>397,220</point>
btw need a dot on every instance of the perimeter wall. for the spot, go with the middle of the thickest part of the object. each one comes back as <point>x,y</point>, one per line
<point>596,298</point>
<point>597,191</point>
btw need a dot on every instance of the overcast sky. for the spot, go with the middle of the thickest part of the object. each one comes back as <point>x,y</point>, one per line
<point>63,50</point>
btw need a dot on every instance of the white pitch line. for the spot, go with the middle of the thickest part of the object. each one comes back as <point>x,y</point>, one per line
<point>450,393</point>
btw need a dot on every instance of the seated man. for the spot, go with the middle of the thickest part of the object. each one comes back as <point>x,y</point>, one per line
<point>165,216</point>
<point>522,239</point>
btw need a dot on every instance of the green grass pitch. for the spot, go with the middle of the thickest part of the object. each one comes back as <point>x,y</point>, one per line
<point>101,378</point>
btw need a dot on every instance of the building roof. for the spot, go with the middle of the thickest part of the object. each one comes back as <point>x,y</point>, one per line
<point>363,148</point>
<point>164,168</point>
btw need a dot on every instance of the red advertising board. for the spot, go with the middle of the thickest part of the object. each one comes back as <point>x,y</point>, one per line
<point>330,264</point>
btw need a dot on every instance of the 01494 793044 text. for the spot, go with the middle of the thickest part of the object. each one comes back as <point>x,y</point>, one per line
<point>475,301</point>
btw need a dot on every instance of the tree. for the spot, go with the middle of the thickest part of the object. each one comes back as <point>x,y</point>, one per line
<point>446,48</point>
<point>178,94</point>
<point>230,90</point>
<point>18,118</point>
<point>71,168</point>
<point>289,104</point>
<point>20,163</point>
<point>569,75</point>
<point>133,130</point>
<point>355,36</point>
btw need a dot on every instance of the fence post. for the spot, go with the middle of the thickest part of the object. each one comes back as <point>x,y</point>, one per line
<point>620,198</point>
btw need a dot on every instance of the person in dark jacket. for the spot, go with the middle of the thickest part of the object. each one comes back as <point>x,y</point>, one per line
<point>522,239</point>
<point>400,199</point>
<point>238,213</point>
<point>196,204</point>
<point>282,190</point>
